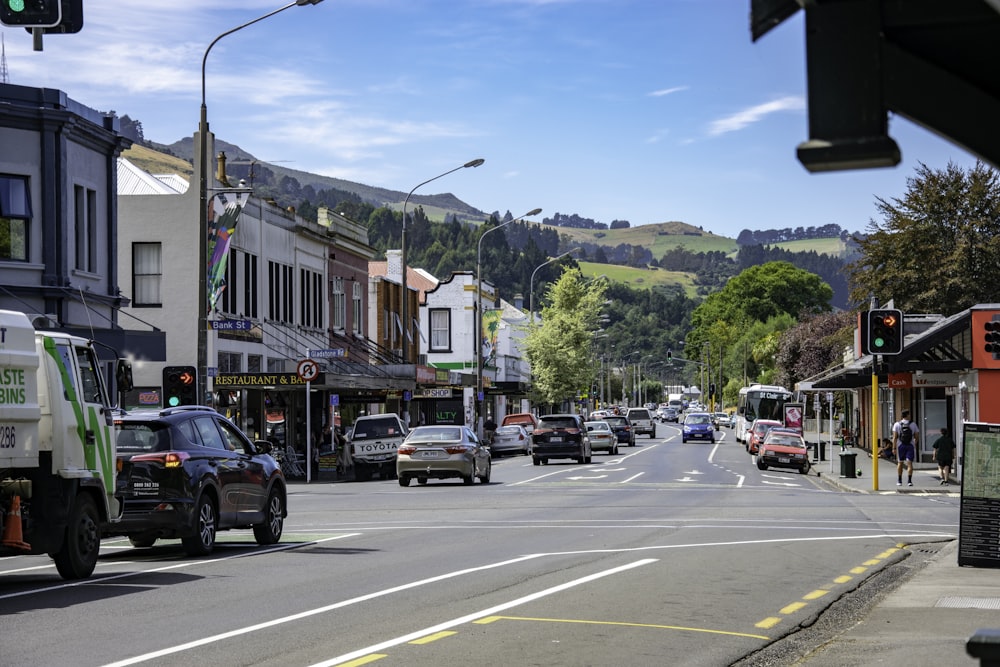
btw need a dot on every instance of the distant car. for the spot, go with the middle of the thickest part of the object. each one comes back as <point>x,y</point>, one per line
<point>642,421</point>
<point>561,436</point>
<point>525,419</point>
<point>623,429</point>
<point>442,452</point>
<point>602,437</point>
<point>511,439</point>
<point>188,472</point>
<point>672,415</point>
<point>783,448</point>
<point>698,426</point>
<point>599,414</point>
<point>721,419</point>
<point>758,429</point>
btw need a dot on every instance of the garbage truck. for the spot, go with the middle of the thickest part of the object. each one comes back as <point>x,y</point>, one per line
<point>57,450</point>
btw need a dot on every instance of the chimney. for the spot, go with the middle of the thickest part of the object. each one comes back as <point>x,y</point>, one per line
<point>323,216</point>
<point>394,265</point>
<point>519,301</point>
<point>220,174</point>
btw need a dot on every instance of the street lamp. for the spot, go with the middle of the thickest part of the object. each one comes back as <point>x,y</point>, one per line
<point>403,313</point>
<point>203,204</point>
<point>477,325</point>
<point>531,289</point>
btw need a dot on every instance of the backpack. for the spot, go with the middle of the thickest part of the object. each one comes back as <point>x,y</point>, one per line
<point>905,433</point>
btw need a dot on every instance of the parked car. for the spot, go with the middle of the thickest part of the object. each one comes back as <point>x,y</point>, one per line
<point>623,430</point>
<point>783,448</point>
<point>561,436</point>
<point>511,439</point>
<point>758,429</point>
<point>525,419</point>
<point>642,421</point>
<point>602,438</point>
<point>698,426</point>
<point>442,452</point>
<point>188,472</point>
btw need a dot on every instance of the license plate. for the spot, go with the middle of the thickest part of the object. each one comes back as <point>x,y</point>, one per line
<point>556,439</point>
<point>430,455</point>
<point>784,459</point>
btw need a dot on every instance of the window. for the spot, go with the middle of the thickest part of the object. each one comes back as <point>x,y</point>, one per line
<point>358,323</point>
<point>311,298</point>
<point>147,274</point>
<point>15,215</point>
<point>440,329</point>
<point>280,303</point>
<point>85,232</point>
<point>339,315</point>
<point>253,363</point>
<point>230,362</point>
<point>240,296</point>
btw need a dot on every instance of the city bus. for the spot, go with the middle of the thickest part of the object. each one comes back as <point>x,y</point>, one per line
<point>759,401</point>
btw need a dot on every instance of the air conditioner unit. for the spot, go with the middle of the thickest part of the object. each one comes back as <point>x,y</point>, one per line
<point>43,320</point>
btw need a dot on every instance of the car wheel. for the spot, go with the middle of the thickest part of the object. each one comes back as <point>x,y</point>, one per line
<point>684,440</point>
<point>614,450</point>
<point>485,478</point>
<point>421,480</point>
<point>404,480</point>
<point>536,461</point>
<point>78,556</point>
<point>269,530</point>
<point>471,477</point>
<point>362,472</point>
<point>804,470</point>
<point>761,465</point>
<point>201,543</point>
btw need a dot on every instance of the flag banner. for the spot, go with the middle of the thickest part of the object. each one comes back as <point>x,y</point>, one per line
<point>490,329</point>
<point>223,216</point>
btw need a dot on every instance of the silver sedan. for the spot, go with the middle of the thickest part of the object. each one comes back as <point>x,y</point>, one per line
<point>442,452</point>
<point>511,439</point>
<point>602,437</point>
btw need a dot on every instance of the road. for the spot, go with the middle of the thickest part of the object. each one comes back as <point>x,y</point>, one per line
<point>669,553</point>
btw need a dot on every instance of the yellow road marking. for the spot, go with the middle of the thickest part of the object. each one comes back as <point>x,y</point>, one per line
<point>858,570</point>
<point>873,561</point>
<point>491,619</point>
<point>888,552</point>
<point>365,660</point>
<point>769,622</point>
<point>842,579</point>
<point>792,608</point>
<point>436,636</point>
<point>818,593</point>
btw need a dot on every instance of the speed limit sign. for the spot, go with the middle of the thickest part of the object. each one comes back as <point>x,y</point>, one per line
<point>307,370</point>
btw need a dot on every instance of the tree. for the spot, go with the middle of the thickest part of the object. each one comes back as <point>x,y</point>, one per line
<point>814,345</point>
<point>560,351</point>
<point>937,249</point>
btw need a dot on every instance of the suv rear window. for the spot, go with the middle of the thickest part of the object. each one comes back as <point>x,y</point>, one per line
<point>639,413</point>
<point>137,438</point>
<point>376,428</point>
<point>558,422</point>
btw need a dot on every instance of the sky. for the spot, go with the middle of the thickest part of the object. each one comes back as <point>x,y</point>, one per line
<point>640,110</point>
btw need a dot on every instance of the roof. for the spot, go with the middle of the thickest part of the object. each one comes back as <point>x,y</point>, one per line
<point>133,180</point>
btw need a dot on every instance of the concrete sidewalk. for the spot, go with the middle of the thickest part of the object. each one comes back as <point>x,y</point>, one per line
<point>935,610</point>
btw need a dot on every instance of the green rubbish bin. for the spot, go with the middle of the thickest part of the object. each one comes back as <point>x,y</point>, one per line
<point>848,464</point>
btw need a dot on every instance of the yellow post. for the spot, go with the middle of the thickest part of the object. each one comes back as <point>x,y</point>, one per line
<point>874,441</point>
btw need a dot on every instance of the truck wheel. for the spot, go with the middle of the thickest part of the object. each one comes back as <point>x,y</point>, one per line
<point>201,543</point>
<point>269,530</point>
<point>362,472</point>
<point>78,556</point>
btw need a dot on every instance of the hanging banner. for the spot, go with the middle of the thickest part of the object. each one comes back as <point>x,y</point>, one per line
<point>224,214</point>
<point>490,329</point>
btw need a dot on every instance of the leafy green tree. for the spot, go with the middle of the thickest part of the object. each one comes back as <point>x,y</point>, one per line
<point>937,249</point>
<point>560,350</point>
<point>814,345</point>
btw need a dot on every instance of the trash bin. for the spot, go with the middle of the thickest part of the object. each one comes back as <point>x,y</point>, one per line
<point>848,464</point>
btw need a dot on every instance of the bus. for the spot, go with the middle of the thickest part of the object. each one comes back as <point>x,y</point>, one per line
<point>759,401</point>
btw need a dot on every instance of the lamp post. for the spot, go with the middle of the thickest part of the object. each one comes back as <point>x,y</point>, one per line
<point>531,283</point>
<point>203,204</point>
<point>477,325</point>
<point>402,242</point>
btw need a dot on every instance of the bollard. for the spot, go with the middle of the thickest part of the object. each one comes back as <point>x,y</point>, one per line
<point>985,645</point>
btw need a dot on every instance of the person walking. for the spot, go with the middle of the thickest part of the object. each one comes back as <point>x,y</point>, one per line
<point>905,436</point>
<point>944,454</point>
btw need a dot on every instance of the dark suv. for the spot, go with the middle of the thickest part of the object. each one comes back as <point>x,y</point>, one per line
<point>188,472</point>
<point>561,437</point>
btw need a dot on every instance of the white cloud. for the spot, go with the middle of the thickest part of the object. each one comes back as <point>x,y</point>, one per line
<point>667,91</point>
<point>741,119</point>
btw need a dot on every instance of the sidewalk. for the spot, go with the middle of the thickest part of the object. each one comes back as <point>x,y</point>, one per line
<point>933,613</point>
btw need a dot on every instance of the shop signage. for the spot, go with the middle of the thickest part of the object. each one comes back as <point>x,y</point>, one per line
<point>442,375</point>
<point>434,393</point>
<point>262,380</point>
<point>426,375</point>
<point>328,354</point>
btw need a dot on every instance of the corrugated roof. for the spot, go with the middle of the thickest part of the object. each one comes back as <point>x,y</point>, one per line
<point>135,181</point>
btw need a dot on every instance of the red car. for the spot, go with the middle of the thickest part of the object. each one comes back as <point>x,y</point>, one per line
<point>758,430</point>
<point>783,448</point>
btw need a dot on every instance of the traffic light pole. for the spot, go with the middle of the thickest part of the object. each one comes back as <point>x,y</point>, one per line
<point>875,428</point>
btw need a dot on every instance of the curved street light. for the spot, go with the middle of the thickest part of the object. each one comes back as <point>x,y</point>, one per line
<point>203,203</point>
<point>531,289</point>
<point>403,309</point>
<point>477,325</point>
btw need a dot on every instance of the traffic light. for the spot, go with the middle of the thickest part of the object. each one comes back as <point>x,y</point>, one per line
<point>670,355</point>
<point>885,331</point>
<point>992,337</point>
<point>180,386</point>
<point>711,389</point>
<point>31,13</point>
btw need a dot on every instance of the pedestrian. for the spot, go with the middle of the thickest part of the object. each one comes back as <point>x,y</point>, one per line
<point>489,428</point>
<point>944,454</point>
<point>885,450</point>
<point>905,436</point>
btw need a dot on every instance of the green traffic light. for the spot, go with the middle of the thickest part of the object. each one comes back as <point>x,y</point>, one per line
<point>15,5</point>
<point>173,401</point>
<point>879,342</point>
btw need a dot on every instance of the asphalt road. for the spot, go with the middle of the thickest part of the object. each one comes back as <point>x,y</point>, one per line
<point>669,553</point>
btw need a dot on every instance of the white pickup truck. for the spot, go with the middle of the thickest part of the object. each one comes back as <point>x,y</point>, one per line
<point>373,443</point>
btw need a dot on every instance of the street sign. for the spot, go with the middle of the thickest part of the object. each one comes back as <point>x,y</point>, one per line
<point>328,354</point>
<point>334,400</point>
<point>212,371</point>
<point>307,370</point>
<point>232,325</point>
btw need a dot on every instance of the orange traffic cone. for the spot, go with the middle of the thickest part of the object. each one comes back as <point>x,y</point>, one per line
<point>12,536</point>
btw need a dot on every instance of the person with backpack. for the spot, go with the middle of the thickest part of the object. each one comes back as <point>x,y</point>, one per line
<point>944,455</point>
<point>904,442</point>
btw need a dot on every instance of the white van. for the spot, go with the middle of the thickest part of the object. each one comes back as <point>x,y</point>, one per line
<point>642,421</point>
